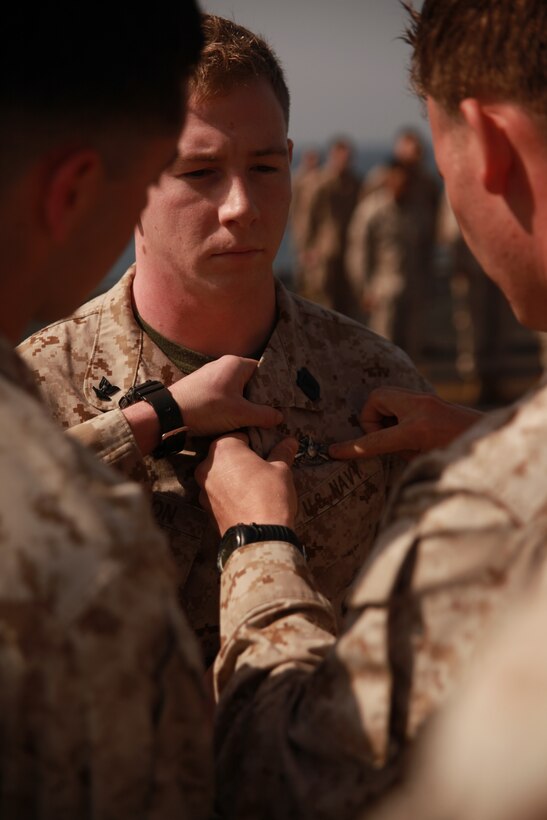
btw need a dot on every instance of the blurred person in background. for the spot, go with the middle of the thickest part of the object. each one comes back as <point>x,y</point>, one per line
<point>382,256</point>
<point>304,182</point>
<point>481,317</point>
<point>401,312</point>
<point>324,243</point>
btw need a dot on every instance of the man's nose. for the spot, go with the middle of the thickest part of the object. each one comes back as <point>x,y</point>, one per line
<point>238,204</point>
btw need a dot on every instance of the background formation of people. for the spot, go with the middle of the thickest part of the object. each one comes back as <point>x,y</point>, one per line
<point>383,247</point>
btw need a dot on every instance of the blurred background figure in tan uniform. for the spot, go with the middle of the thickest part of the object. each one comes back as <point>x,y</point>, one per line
<point>304,182</point>
<point>485,329</point>
<point>383,258</point>
<point>331,207</point>
<point>391,241</point>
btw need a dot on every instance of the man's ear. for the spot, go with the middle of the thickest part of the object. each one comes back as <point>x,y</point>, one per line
<point>71,191</point>
<point>290,145</point>
<point>494,145</point>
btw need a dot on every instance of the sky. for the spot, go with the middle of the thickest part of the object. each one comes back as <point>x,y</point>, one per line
<point>345,63</point>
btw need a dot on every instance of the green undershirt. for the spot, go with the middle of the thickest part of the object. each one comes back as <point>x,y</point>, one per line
<point>187,361</point>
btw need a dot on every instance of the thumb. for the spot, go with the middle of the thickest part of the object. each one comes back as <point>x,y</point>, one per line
<point>247,369</point>
<point>285,451</point>
<point>261,415</point>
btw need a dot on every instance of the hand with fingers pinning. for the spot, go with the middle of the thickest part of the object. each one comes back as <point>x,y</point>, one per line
<point>238,486</point>
<point>212,400</point>
<point>396,420</point>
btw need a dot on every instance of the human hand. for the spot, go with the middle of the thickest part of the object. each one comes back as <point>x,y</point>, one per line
<point>239,487</point>
<point>396,420</point>
<point>211,399</point>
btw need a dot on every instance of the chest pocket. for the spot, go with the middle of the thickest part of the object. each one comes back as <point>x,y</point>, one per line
<point>339,509</point>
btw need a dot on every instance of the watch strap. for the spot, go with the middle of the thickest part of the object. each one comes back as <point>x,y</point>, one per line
<point>172,428</point>
<point>242,534</point>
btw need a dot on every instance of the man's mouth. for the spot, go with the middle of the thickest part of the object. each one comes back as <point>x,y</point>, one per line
<point>237,250</point>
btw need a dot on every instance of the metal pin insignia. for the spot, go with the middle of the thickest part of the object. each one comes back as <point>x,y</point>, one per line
<point>105,390</point>
<point>311,453</point>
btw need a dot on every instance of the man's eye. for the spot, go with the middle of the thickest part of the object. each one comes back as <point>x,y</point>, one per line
<point>266,169</point>
<point>199,173</point>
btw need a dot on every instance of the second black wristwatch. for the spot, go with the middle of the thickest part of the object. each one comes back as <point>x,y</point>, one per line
<point>243,534</point>
<point>173,430</point>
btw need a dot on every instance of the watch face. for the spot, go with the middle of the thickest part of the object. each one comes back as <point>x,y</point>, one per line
<point>232,539</point>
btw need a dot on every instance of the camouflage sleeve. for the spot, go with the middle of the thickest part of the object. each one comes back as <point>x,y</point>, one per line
<point>291,735</point>
<point>482,755</point>
<point>110,437</point>
<point>104,716</point>
<point>59,357</point>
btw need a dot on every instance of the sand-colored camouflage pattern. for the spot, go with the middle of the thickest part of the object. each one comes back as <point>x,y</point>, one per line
<point>482,757</point>
<point>102,708</point>
<point>340,503</point>
<point>322,732</point>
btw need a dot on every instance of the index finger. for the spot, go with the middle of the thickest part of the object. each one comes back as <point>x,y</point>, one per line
<point>389,440</point>
<point>387,403</point>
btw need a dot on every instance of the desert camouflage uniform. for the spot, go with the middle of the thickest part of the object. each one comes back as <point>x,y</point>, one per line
<point>331,206</point>
<point>310,727</point>
<point>307,370</point>
<point>383,260</point>
<point>483,756</point>
<point>102,710</point>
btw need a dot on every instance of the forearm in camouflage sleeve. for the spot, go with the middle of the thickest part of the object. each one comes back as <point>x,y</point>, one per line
<point>110,437</point>
<point>290,739</point>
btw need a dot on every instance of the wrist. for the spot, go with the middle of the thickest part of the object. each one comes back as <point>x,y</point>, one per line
<point>145,426</point>
<point>172,430</point>
<point>241,535</point>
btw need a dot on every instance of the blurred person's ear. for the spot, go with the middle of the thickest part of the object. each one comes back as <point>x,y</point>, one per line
<point>70,192</point>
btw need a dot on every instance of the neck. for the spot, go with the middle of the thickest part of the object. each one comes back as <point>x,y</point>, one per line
<point>20,284</point>
<point>211,319</point>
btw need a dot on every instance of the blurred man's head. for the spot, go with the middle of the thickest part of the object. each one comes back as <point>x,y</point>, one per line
<point>482,68</point>
<point>215,222</point>
<point>397,178</point>
<point>340,155</point>
<point>90,116</point>
<point>310,159</point>
<point>408,147</point>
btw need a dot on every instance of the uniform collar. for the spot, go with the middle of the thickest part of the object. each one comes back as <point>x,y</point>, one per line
<point>121,351</point>
<point>126,356</point>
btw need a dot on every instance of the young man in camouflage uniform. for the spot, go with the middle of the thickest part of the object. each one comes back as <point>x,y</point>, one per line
<point>203,287</point>
<point>310,726</point>
<point>102,710</point>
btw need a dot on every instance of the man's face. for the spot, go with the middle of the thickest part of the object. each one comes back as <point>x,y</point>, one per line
<point>502,244</point>
<point>218,216</point>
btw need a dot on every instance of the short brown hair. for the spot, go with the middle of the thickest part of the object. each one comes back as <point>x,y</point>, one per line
<point>471,48</point>
<point>232,55</point>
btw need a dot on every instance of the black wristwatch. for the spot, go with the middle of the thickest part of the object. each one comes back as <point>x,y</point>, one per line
<point>173,430</point>
<point>243,534</point>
